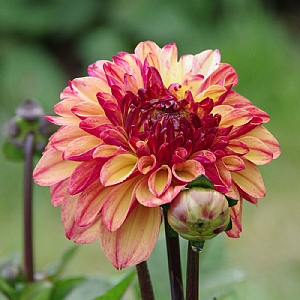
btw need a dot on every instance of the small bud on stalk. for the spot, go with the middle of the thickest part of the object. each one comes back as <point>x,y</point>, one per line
<point>199,214</point>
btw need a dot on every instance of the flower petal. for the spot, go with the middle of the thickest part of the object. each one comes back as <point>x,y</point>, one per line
<point>90,203</point>
<point>267,138</point>
<point>188,170</point>
<point>117,169</point>
<point>134,241</point>
<point>146,164</point>
<point>52,168</point>
<point>86,109</point>
<point>236,220</point>
<point>65,135</point>
<point>118,204</point>
<point>59,191</point>
<point>83,176</point>
<point>259,153</point>
<point>87,87</point>
<point>233,163</point>
<point>160,180</point>
<point>249,180</point>
<point>81,148</point>
<point>146,198</point>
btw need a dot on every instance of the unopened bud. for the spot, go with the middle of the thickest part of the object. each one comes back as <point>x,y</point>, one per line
<point>199,214</point>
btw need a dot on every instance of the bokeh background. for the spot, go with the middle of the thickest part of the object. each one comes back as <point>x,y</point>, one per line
<point>46,43</point>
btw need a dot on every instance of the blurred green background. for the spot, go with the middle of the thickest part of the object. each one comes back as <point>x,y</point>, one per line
<point>46,43</point>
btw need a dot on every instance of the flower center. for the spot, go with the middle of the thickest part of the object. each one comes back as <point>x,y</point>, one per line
<point>158,122</point>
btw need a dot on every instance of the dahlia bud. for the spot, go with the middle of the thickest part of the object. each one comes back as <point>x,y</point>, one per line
<point>199,214</point>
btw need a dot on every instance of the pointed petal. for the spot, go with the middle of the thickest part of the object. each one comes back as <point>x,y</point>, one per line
<point>236,219</point>
<point>249,180</point>
<point>267,138</point>
<point>52,168</point>
<point>81,148</point>
<point>118,204</point>
<point>89,234</point>
<point>236,117</point>
<point>259,153</point>
<point>81,235</point>
<point>59,191</point>
<point>134,241</point>
<point>65,135</point>
<point>90,203</point>
<point>87,109</point>
<point>117,169</point>
<point>86,173</point>
<point>87,87</point>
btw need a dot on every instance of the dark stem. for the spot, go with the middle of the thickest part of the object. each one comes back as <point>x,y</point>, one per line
<point>174,262</point>
<point>145,281</point>
<point>28,249</point>
<point>192,274</point>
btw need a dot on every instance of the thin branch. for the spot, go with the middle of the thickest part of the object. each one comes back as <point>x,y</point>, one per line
<point>28,248</point>
<point>192,274</point>
<point>174,262</point>
<point>145,281</point>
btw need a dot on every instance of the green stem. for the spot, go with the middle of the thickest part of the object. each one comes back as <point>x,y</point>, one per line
<point>174,262</point>
<point>192,274</point>
<point>28,248</point>
<point>145,281</point>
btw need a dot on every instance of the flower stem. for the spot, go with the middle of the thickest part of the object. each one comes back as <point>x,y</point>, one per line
<point>174,262</point>
<point>192,274</point>
<point>145,281</point>
<point>28,249</point>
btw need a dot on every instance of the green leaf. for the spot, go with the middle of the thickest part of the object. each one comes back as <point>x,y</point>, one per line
<point>37,291</point>
<point>63,287</point>
<point>231,201</point>
<point>7,289</point>
<point>201,182</point>
<point>118,291</point>
<point>56,269</point>
<point>89,289</point>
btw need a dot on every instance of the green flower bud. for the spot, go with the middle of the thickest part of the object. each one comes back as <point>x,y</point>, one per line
<point>199,214</point>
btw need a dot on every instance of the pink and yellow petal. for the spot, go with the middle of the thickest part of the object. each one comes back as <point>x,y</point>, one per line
<point>59,191</point>
<point>87,88</point>
<point>249,180</point>
<point>117,169</point>
<point>267,138</point>
<point>64,136</point>
<point>52,169</point>
<point>134,241</point>
<point>119,203</point>
<point>90,203</point>
<point>188,170</point>
<point>160,180</point>
<point>81,148</point>
<point>258,153</point>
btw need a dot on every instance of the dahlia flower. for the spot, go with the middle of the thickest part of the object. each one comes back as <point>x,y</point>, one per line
<point>136,131</point>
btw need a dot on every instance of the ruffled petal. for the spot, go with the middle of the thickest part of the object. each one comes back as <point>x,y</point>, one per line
<point>134,241</point>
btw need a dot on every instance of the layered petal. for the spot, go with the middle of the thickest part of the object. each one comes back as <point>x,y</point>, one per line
<point>134,241</point>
